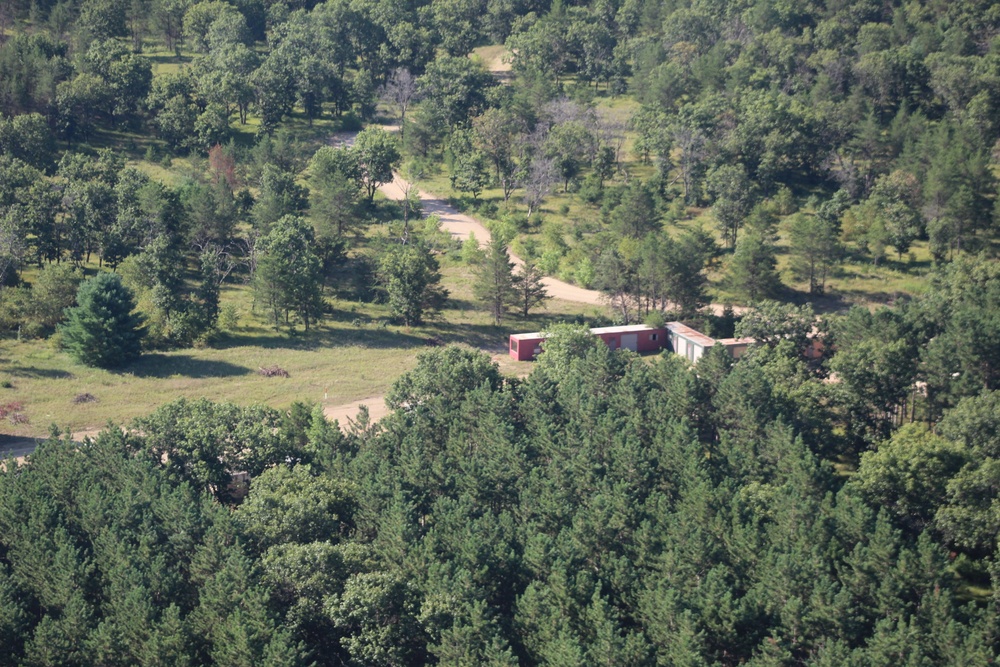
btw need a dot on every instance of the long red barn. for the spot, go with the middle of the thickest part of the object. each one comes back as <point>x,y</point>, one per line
<point>636,337</point>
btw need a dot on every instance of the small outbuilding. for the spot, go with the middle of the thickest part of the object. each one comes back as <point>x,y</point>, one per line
<point>526,346</point>
<point>692,344</point>
<point>688,342</point>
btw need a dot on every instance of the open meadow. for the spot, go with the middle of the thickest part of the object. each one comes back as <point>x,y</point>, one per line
<point>353,354</point>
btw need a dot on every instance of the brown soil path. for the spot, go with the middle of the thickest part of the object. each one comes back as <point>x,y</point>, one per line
<point>461,225</point>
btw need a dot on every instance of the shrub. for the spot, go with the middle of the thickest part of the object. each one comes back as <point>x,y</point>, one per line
<point>656,319</point>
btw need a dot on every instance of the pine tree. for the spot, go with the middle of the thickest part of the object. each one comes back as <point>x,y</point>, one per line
<point>528,287</point>
<point>494,285</point>
<point>815,247</point>
<point>752,269</point>
<point>102,330</point>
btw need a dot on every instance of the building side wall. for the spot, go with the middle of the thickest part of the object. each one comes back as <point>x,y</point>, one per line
<point>524,349</point>
<point>655,339</point>
<point>649,340</point>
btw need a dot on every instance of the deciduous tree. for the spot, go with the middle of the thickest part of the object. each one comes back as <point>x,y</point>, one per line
<point>288,277</point>
<point>409,275</point>
<point>377,156</point>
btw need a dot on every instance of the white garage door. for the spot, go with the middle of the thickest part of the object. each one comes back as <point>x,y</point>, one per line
<point>630,342</point>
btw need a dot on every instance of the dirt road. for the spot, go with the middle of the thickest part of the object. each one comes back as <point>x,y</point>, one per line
<point>461,225</point>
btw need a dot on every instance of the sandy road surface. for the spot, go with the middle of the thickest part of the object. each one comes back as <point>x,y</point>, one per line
<point>344,414</point>
<point>17,447</point>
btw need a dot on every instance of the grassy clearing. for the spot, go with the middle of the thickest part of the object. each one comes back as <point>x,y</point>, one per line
<point>167,62</point>
<point>493,57</point>
<point>354,354</point>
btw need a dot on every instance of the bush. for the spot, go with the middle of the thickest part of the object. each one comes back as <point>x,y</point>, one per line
<point>350,122</point>
<point>471,254</point>
<point>487,209</point>
<point>52,293</point>
<point>549,262</point>
<point>229,317</point>
<point>516,220</point>
<point>656,319</point>
<point>583,273</point>
<point>592,190</point>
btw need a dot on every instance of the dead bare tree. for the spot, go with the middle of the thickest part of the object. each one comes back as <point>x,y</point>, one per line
<point>692,144</point>
<point>612,134</point>
<point>541,175</point>
<point>399,91</point>
<point>223,260</point>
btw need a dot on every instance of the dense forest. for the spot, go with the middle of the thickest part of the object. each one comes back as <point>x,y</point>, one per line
<point>603,511</point>
<point>606,509</point>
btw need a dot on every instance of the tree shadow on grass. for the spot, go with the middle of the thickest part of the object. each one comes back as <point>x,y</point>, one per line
<point>368,336</point>
<point>163,366</point>
<point>16,445</point>
<point>39,373</point>
<point>167,59</point>
<point>482,336</point>
<point>828,302</point>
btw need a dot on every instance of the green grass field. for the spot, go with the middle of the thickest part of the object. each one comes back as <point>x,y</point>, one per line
<point>353,354</point>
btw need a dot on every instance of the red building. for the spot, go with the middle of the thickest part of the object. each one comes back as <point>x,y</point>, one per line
<point>638,338</point>
<point>526,346</point>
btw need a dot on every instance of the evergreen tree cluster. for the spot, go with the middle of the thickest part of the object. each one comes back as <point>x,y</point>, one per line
<point>606,509</point>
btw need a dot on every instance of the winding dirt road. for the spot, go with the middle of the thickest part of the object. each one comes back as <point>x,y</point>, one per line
<point>460,226</point>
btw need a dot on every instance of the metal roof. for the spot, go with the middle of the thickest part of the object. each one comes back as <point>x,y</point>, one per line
<point>690,334</point>
<point>529,336</point>
<point>631,328</point>
<point>735,341</point>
